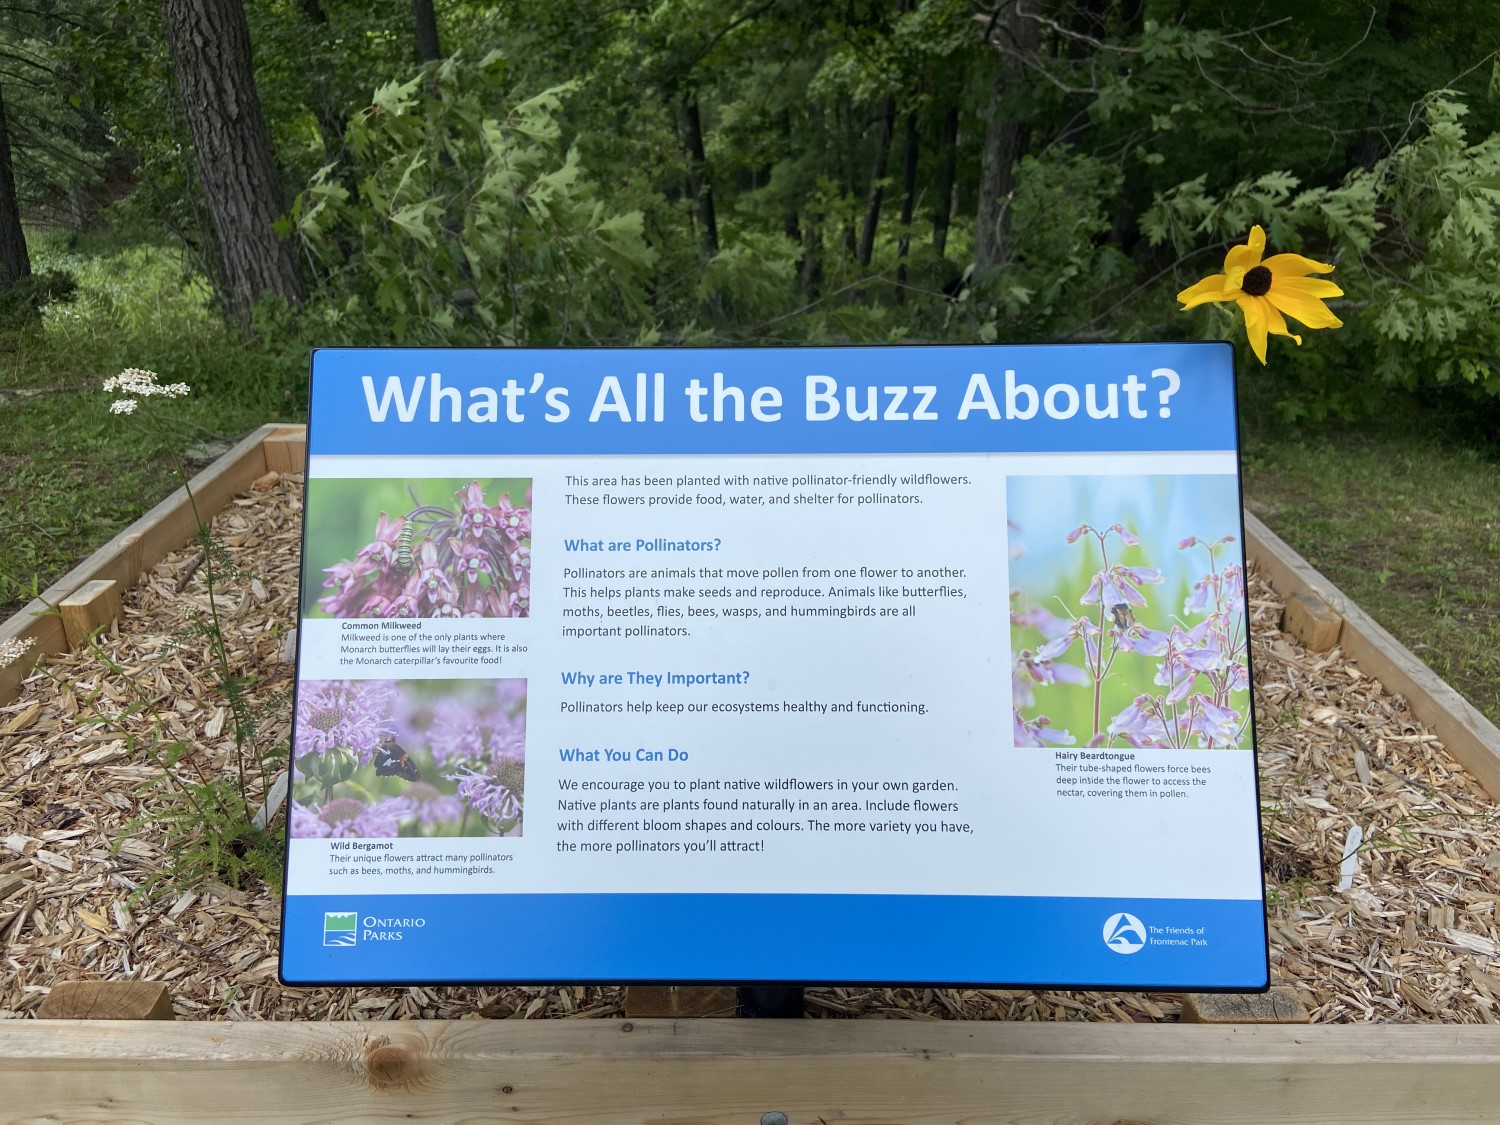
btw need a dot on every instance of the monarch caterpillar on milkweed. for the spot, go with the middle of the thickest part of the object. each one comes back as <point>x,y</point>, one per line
<point>403,545</point>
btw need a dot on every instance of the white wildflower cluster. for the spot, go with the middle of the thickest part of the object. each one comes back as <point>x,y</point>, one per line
<point>12,650</point>
<point>138,383</point>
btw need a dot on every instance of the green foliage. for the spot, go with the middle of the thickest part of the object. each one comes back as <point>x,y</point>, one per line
<point>22,303</point>
<point>146,305</point>
<point>471,221</point>
<point>1060,269</point>
<point>1416,240</point>
<point>71,473</point>
<point>1434,304</point>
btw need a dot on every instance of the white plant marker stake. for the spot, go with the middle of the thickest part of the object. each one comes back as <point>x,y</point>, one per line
<point>1351,857</point>
<point>274,796</point>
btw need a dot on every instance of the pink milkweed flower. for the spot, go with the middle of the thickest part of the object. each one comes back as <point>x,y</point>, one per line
<point>404,605</point>
<point>387,533</point>
<point>430,578</point>
<point>473,560</point>
<point>514,523</point>
<point>477,518</point>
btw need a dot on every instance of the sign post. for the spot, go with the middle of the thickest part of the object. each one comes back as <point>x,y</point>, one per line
<point>864,665</point>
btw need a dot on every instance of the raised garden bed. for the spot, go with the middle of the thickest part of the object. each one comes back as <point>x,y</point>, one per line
<point>1412,939</point>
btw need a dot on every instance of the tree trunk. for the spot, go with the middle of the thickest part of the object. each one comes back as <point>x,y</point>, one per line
<point>1005,139</point>
<point>877,180</point>
<point>210,46</point>
<point>908,199</point>
<point>942,206</point>
<point>14,262</point>
<point>811,277</point>
<point>429,49</point>
<point>703,192</point>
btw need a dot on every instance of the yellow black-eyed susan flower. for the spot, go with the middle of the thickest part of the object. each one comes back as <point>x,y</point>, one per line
<point>1264,290</point>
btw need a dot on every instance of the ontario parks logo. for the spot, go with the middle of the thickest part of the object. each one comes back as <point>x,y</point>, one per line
<point>1124,933</point>
<point>341,927</point>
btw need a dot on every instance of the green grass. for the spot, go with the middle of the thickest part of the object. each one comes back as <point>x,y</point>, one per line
<point>71,473</point>
<point>1404,517</point>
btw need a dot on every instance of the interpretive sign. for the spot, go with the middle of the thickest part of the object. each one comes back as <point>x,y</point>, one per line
<point>776,665</point>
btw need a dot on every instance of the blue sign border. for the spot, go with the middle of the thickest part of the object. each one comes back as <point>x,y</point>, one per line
<point>879,939</point>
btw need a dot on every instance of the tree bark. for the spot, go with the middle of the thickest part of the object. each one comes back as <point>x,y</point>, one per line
<point>429,48</point>
<point>942,205</point>
<point>1005,138</point>
<point>908,198</point>
<point>209,42</point>
<point>14,261</point>
<point>877,180</point>
<point>703,192</point>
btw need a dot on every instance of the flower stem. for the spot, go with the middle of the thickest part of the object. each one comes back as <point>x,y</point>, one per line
<point>216,641</point>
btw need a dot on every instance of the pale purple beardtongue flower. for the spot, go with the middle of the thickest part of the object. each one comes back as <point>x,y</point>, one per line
<point>1198,668</point>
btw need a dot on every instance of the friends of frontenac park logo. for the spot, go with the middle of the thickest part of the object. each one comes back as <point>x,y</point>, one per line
<point>1124,933</point>
<point>340,927</point>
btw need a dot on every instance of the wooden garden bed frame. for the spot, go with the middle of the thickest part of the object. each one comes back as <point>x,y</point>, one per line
<point>740,1071</point>
<point>80,601</point>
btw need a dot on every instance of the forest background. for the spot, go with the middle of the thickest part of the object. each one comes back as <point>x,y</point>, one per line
<point>208,188</point>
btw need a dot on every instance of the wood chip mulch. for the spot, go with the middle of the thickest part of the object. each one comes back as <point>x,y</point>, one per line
<point>1413,938</point>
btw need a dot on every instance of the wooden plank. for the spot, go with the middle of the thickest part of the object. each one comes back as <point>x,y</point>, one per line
<point>1311,620</point>
<point>1278,1004</point>
<point>136,549</point>
<point>107,1000</point>
<point>91,607</point>
<point>736,1071</point>
<point>1471,738</point>
<point>286,451</point>
<point>35,623</point>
